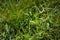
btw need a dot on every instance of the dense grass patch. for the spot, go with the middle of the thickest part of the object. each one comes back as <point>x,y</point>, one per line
<point>29,19</point>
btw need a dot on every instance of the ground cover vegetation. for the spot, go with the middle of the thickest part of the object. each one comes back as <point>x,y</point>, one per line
<point>29,19</point>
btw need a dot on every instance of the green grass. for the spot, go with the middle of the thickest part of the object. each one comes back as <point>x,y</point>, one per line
<point>29,19</point>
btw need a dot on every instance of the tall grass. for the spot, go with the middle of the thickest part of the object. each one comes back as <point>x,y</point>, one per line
<point>29,20</point>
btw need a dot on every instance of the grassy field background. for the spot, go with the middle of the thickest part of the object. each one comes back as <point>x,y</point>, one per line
<point>29,19</point>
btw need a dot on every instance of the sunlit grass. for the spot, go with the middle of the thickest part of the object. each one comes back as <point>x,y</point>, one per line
<point>29,20</point>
